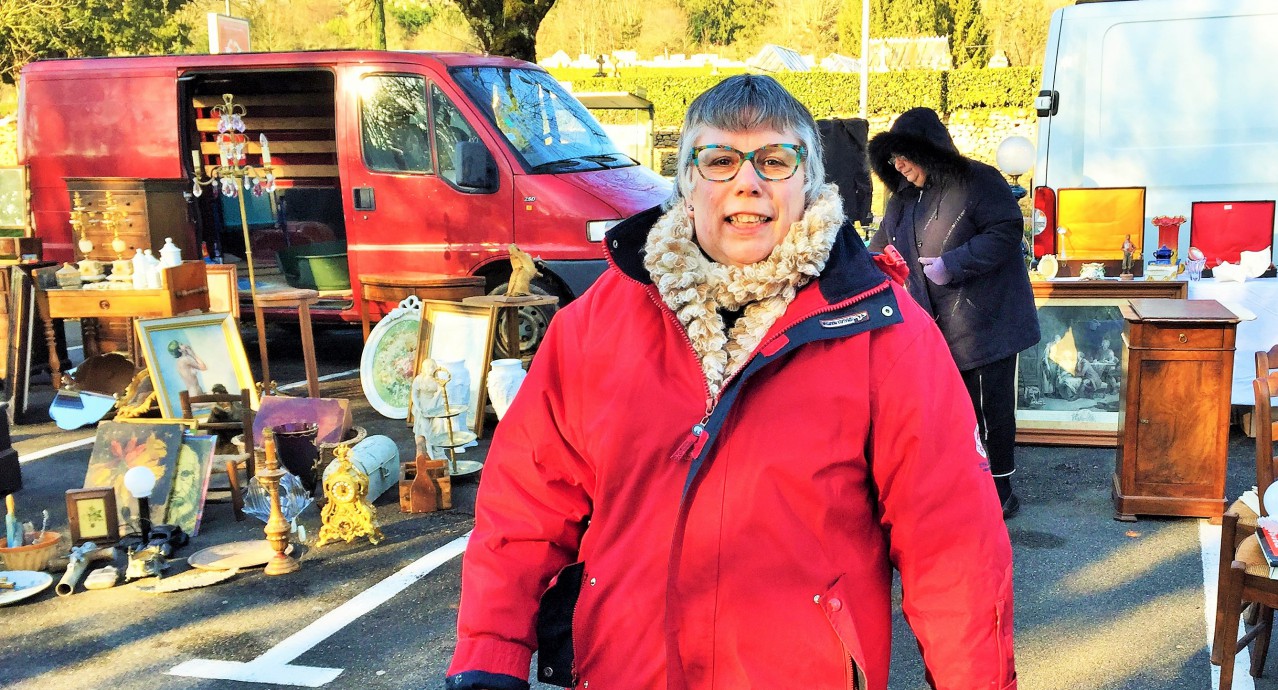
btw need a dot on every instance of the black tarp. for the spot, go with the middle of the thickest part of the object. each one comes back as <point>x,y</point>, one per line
<point>847,165</point>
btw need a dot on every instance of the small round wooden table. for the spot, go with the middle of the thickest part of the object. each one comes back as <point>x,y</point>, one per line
<point>300,299</point>
<point>393,287</point>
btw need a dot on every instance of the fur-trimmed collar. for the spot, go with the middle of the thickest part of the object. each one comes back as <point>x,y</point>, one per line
<point>918,135</point>
<point>696,288</point>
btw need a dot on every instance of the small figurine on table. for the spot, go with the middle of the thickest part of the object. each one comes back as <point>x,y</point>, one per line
<point>426,395</point>
<point>1129,256</point>
<point>522,271</point>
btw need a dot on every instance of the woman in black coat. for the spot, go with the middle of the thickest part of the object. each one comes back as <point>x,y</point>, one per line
<point>957,225</point>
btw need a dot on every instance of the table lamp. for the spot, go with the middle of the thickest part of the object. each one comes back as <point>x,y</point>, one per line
<point>140,481</point>
<point>1015,157</point>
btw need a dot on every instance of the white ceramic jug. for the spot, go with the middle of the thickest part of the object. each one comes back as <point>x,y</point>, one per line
<point>504,380</point>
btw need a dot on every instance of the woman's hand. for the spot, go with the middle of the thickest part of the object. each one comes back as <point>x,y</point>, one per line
<point>934,269</point>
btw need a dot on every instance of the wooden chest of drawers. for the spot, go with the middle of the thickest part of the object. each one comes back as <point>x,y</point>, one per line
<point>154,209</point>
<point>1173,426</point>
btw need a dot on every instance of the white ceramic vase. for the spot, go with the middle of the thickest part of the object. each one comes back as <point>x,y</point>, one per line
<point>504,380</point>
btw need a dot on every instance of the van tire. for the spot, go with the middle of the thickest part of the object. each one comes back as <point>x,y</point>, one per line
<point>533,321</point>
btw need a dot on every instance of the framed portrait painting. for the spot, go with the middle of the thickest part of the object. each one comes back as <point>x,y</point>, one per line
<point>201,354</point>
<point>1068,384</point>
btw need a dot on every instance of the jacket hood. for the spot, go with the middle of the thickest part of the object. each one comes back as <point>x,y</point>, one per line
<point>919,135</point>
<point>849,271</point>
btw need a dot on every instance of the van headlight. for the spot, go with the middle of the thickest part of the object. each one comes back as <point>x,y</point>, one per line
<point>595,229</point>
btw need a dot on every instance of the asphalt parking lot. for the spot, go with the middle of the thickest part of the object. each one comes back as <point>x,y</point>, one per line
<point>1100,603</point>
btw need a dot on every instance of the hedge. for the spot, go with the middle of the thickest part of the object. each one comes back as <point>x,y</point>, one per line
<point>829,94</point>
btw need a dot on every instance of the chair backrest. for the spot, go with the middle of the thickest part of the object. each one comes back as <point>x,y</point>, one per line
<point>1266,361</point>
<point>245,424</point>
<point>1262,422</point>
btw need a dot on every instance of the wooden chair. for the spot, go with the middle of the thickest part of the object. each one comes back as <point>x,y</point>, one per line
<point>232,462</point>
<point>1266,363</point>
<point>1244,572</point>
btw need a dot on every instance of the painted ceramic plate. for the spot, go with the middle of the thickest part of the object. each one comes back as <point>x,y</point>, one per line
<point>1048,267</point>
<point>26,583</point>
<point>234,555</point>
<point>386,367</point>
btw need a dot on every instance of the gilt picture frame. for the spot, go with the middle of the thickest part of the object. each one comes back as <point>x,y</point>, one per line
<point>1068,384</point>
<point>452,331</point>
<point>201,353</point>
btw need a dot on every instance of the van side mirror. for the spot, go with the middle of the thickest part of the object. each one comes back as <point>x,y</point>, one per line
<point>478,169</point>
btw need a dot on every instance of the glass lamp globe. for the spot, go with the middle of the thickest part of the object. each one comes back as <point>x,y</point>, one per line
<point>1015,156</point>
<point>139,481</point>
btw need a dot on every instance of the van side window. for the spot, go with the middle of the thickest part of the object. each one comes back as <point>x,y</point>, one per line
<point>394,123</point>
<point>451,129</point>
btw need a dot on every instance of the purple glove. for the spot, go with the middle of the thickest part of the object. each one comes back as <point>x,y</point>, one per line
<point>934,269</point>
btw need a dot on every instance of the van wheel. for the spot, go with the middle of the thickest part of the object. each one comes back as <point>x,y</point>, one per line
<point>533,322</point>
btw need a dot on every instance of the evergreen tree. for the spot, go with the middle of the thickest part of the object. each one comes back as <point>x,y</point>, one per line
<point>849,24</point>
<point>970,40</point>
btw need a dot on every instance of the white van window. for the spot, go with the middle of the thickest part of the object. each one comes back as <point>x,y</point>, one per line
<point>451,129</point>
<point>394,123</point>
<point>549,129</point>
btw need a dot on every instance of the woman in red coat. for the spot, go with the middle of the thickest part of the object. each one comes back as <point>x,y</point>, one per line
<point>726,445</point>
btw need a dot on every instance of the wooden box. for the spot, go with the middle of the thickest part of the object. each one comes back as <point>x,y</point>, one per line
<point>1173,426</point>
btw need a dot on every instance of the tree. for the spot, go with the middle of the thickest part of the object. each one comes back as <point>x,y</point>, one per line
<point>31,29</point>
<point>506,27</point>
<point>411,15</point>
<point>969,40</point>
<point>721,22</point>
<point>917,18</point>
<point>849,24</point>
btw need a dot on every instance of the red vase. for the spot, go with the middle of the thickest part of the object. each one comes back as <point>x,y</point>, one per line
<point>1169,236</point>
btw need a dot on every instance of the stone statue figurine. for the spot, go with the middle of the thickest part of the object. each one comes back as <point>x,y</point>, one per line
<point>427,395</point>
<point>522,271</point>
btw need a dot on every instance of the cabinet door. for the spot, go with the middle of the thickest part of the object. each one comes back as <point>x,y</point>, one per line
<point>1180,443</point>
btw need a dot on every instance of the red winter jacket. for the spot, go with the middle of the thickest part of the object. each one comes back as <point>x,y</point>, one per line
<point>749,546</point>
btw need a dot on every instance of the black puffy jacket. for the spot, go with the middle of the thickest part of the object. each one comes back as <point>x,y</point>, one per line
<point>965,213</point>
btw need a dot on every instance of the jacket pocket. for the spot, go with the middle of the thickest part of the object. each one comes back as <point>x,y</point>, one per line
<point>555,654</point>
<point>834,604</point>
<point>1005,659</point>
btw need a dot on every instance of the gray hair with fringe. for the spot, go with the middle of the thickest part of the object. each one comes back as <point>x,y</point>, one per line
<point>743,103</point>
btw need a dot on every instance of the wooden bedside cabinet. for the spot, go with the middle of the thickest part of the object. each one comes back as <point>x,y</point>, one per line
<point>1173,427</point>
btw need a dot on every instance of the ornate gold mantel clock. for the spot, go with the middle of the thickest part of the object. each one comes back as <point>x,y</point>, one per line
<point>347,514</point>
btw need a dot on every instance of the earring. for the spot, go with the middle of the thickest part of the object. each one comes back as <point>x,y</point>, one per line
<point>689,209</point>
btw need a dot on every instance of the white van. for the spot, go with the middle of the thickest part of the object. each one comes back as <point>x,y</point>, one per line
<point>1176,96</point>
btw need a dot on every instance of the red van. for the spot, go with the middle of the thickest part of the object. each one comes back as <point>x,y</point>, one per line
<point>405,160</point>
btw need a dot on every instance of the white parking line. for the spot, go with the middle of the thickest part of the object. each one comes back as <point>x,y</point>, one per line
<point>46,452</point>
<point>1209,541</point>
<point>273,665</point>
<point>326,377</point>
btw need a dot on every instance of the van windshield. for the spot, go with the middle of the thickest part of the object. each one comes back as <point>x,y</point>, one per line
<point>549,129</point>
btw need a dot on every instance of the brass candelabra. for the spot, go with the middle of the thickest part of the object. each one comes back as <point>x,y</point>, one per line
<point>234,177</point>
<point>277,529</point>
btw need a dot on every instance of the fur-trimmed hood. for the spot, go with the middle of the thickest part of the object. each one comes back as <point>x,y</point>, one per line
<point>918,135</point>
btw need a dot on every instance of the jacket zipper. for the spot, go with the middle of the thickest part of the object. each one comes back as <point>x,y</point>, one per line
<point>692,446</point>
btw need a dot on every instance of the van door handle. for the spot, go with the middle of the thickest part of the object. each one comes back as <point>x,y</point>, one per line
<point>364,199</point>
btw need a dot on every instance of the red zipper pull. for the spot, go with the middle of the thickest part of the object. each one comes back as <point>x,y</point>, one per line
<point>681,452</point>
